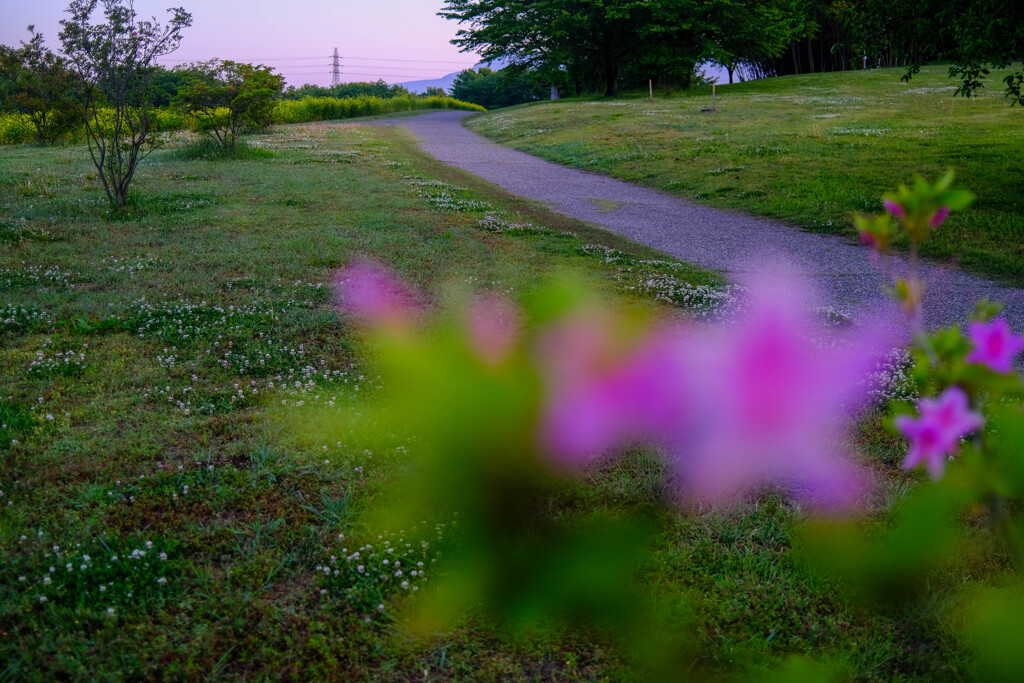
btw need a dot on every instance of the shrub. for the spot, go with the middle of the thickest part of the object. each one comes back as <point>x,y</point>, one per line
<point>223,98</point>
<point>113,61</point>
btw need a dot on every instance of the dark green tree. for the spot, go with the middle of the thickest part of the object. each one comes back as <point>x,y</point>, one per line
<point>164,86</point>
<point>749,31</point>
<point>114,62</point>
<point>976,35</point>
<point>586,38</point>
<point>574,42</point>
<point>496,89</point>
<point>37,83</point>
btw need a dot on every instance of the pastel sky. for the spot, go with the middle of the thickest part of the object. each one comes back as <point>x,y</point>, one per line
<point>397,40</point>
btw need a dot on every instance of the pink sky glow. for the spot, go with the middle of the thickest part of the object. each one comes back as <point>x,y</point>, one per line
<point>397,40</point>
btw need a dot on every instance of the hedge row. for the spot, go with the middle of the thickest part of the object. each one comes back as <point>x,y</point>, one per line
<point>17,129</point>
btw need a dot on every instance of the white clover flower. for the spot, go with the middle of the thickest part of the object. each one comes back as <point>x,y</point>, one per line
<point>103,588</point>
<point>42,598</point>
<point>405,585</point>
<point>163,556</point>
<point>162,581</point>
<point>110,611</point>
<point>46,580</point>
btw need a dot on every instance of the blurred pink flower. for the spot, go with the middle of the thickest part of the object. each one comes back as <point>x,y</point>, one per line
<point>939,217</point>
<point>493,327</point>
<point>772,404</point>
<point>602,396</point>
<point>755,403</point>
<point>893,208</point>
<point>937,432</point>
<point>994,345</point>
<point>375,296</point>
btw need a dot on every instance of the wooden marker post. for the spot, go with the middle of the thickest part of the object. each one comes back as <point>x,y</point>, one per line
<point>712,97</point>
<point>650,86</point>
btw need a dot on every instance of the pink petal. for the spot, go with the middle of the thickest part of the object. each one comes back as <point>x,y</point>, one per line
<point>493,327</point>
<point>939,217</point>
<point>893,208</point>
<point>373,295</point>
<point>995,345</point>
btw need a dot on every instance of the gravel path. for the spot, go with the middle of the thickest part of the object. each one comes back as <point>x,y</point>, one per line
<point>844,274</point>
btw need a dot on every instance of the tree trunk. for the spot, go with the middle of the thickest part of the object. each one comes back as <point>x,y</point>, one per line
<point>796,62</point>
<point>730,70</point>
<point>611,77</point>
<point>810,56</point>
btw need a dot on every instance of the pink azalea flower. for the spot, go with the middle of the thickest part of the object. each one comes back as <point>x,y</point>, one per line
<point>994,345</point>
<point>893,208</point>
<point>939,217</point>
<point>602,396</point>
<point>772,405</point>
<point>736,407</point>
<point>493,327</point>
<point>937,432</point>
<point>375,296</point>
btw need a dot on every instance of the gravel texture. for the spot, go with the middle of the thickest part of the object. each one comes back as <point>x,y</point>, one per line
<point>844,275</point>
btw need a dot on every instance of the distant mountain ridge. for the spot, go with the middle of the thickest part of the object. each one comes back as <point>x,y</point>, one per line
<point>445,82</point>
<point>420,87</point>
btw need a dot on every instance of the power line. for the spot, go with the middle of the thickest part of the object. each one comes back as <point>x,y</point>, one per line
<point>380,74</point>
<point>319,60</point>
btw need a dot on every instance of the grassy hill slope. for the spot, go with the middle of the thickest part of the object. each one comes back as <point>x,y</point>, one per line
<point>811,150</point>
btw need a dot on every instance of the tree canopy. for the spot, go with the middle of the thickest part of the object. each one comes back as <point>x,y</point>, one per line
<point>591,44</point>
<point>495,89</point>
<point>585,42</point>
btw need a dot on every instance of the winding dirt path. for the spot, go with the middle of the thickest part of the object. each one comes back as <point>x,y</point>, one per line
<point>845,275</point>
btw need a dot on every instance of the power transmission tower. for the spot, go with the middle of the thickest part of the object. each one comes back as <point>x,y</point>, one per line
<point>336,71</point>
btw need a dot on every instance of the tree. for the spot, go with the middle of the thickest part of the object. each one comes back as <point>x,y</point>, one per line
<point>750,31</point>
<point>226,97</point>
<point>38,84</point>
<point>976,35</point>
<point>608,42</point>
<point>495,89</point>
<point>114,62</point>
<point>434,91</point>
<point>589,36</point>
<point>164,86</point>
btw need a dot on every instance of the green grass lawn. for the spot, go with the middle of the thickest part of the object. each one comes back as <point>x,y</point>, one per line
<point>811,150</point>
<point>156,369</point>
